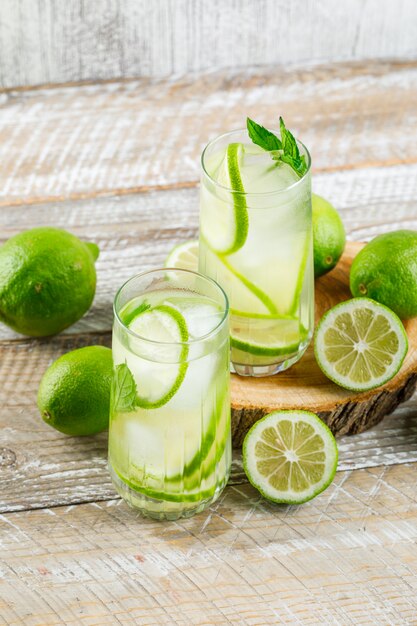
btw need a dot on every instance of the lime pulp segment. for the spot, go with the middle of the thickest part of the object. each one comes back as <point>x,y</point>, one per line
<point>290,456</point>
<point>360,344</point>
<point>184,256</point>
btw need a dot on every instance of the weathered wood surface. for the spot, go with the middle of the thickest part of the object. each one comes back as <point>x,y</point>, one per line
<point>82,141</point>
<point>73,158</point>
<point>40,467</point>
<point>136,231</point>
<point>304,386</point>
<point>346,558</point>
<point>59,41</point>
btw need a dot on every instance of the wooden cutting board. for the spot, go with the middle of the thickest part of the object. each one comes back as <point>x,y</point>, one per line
<point>304,386</point>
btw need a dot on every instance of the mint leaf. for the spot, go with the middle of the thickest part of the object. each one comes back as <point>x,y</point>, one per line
<point>298,165</point>
<point>284,149</point>
<point>124,389</point>
<point>289,145</point>
<point>291,152</point>
<point>262,137</point>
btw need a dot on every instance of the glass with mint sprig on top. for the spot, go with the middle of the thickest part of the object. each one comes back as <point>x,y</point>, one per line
<point>256,242</point>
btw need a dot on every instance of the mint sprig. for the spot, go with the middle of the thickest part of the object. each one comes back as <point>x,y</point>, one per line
<point>284,149</point>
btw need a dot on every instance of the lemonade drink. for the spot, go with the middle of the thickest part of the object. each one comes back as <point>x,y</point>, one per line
<point>256,242</point>
<point>169,439</point>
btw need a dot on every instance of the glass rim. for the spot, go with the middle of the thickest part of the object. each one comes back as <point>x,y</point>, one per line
<point>205,337</point>
<point>253,193</point>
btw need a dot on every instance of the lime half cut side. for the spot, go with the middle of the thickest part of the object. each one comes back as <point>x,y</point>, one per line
<point>157,382</point>
<point>360,344</point>
<point>184,256</point>
<point>290,456</point>
<point>226,229</point>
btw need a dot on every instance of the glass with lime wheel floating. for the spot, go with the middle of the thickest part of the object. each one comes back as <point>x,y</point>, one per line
<point>169,437</point>
<point>256,242</point>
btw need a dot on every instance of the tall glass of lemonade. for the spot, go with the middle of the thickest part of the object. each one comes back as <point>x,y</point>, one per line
<point>256,242</point>
<point>169,438</point>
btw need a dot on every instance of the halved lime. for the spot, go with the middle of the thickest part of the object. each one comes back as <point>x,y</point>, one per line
<point>360,344</point>
<point>290,456</point>
<point>184,256</point>
<point>226,229</point>
<point>159,325</point>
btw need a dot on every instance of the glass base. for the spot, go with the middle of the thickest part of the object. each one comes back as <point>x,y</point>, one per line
<point>161,509</point>
<point>271,368</point>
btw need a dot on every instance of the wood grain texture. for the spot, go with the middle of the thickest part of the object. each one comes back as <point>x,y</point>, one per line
<point>304,386</point>
<point>41,467</point>
<point>56,41</point>
<point>93,140</point>
<point>348,557</point>
<point>135,232</point>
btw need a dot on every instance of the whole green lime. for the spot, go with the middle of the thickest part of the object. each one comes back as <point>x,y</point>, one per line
<point>47,281</point>
<point>386,271</point>
<point>74,394</point>
<point>328,235</point>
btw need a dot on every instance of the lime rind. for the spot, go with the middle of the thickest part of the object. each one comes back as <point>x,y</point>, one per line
<point>300,280</point>
<point>261,350</point>
<point>260,294</point>
<point>261,483</point>
<point>239,199</point>
<point>348,306</point>
<point>232,209</point>
<point>256,291</point>
<point>197,496</point>
<point>184,248</point>
<point>199,471</point>
<point>131,312</point>
<point>209,440</point>
<point>143,402</point>
<point>263,316</point>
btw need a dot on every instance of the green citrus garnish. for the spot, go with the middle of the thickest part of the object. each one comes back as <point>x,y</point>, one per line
<point>290,456</point>
<point>360,344</point>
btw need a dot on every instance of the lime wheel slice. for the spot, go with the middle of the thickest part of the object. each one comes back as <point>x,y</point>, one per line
<point>160,325</point>
<point>227,228</point>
